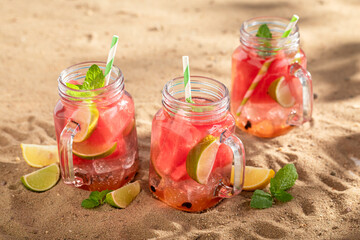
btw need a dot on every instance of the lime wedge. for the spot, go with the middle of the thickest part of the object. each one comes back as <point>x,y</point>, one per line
<point>280,92</point>
<point>92,152</point>
<point>87,118</point>
<point>40,155</point>
<point>201,158</point>
<point>42,179</point>
<point>122,197</point>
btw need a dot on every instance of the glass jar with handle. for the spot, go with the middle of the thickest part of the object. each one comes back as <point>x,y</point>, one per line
<point>95,131</point>
<point>271,89</point>
<point>194,150</point>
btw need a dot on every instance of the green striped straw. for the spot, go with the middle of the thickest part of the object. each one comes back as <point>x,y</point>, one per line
<point>110,60</point>
<point>265,66</point>
<point>290,26</point>
<point>187,85</point>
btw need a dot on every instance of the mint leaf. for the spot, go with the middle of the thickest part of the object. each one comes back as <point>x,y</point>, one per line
<point>261,200</point>
<point>99,196</point>
<point>80,94</point>
<point>94,78</point>
<point>102,195</point>
<point>265,48</point>
<point>73,86</point>
<point>95,199</point>
<point>283,196</point>
<point>89,203</point>
<point>95,196</point>
<point>264,31</point>
<point>75,93</point>
<point>284,179</point>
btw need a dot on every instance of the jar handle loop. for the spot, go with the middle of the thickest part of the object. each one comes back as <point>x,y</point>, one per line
<point>295,118</point>
<point>224,189</point>
<point>66,156</point>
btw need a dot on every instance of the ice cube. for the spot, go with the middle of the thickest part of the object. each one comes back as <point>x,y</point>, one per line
<point>105,166</point>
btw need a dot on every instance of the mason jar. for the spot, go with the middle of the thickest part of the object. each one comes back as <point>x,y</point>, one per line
<point>193,147</point>
<point>271,89</point>
<point>95,131</point>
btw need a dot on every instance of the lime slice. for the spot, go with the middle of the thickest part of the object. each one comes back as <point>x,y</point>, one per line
<point>40,155</point>
<point>279,91</point>
<point>92,152</point>
<point>87,118</point>
<point>42,179</point>
<point>201,158</point>
<point>122,197</point>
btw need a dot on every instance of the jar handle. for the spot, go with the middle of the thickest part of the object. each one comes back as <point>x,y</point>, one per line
<point>296,118</point>
<point>224,189</point>
<point>66,156</point>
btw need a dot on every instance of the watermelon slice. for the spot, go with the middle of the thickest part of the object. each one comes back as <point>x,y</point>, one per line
<point>224,157</point>
<point>171,141</point>
<point>102,143</point>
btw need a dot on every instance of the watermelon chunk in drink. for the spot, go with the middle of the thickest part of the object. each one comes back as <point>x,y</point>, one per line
<point>175,137</point>
<point>224,157</point>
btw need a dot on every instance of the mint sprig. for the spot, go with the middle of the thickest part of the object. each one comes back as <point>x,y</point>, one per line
<point>95,199</point>
<point>264,31</point>
<point>94,79</point>
<point>284,179</point>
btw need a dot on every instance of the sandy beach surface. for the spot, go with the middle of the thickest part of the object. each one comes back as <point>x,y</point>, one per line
<point>38,39</point>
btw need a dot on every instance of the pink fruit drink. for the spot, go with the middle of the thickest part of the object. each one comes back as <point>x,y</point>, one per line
<point>172,137</point>
<point>108,157</point>
<point>262,115</point>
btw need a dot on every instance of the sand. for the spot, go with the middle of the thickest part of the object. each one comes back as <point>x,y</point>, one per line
<point>38,39</point>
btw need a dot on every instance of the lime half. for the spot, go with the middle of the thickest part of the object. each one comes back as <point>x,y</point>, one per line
<point>201,158</point>
<point>92,152</point>
<point>42,179</point>
<point>279,91</point>
<point>122,197</point>
<point>87,117</point>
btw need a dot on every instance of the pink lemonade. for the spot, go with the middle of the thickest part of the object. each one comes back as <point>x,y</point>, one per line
<point>262,115</point>
<point>108,157</point>
<point>172,138</point>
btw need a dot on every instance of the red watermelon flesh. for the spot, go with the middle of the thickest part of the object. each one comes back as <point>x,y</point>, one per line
<point>224,157</point>
<point>173,138</point>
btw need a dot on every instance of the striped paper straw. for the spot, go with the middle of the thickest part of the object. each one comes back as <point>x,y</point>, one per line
<point>110,60</point>
<point>290,26</point>
<point>265,67</point>
<point>253,85</point>
<point>187,85</point>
